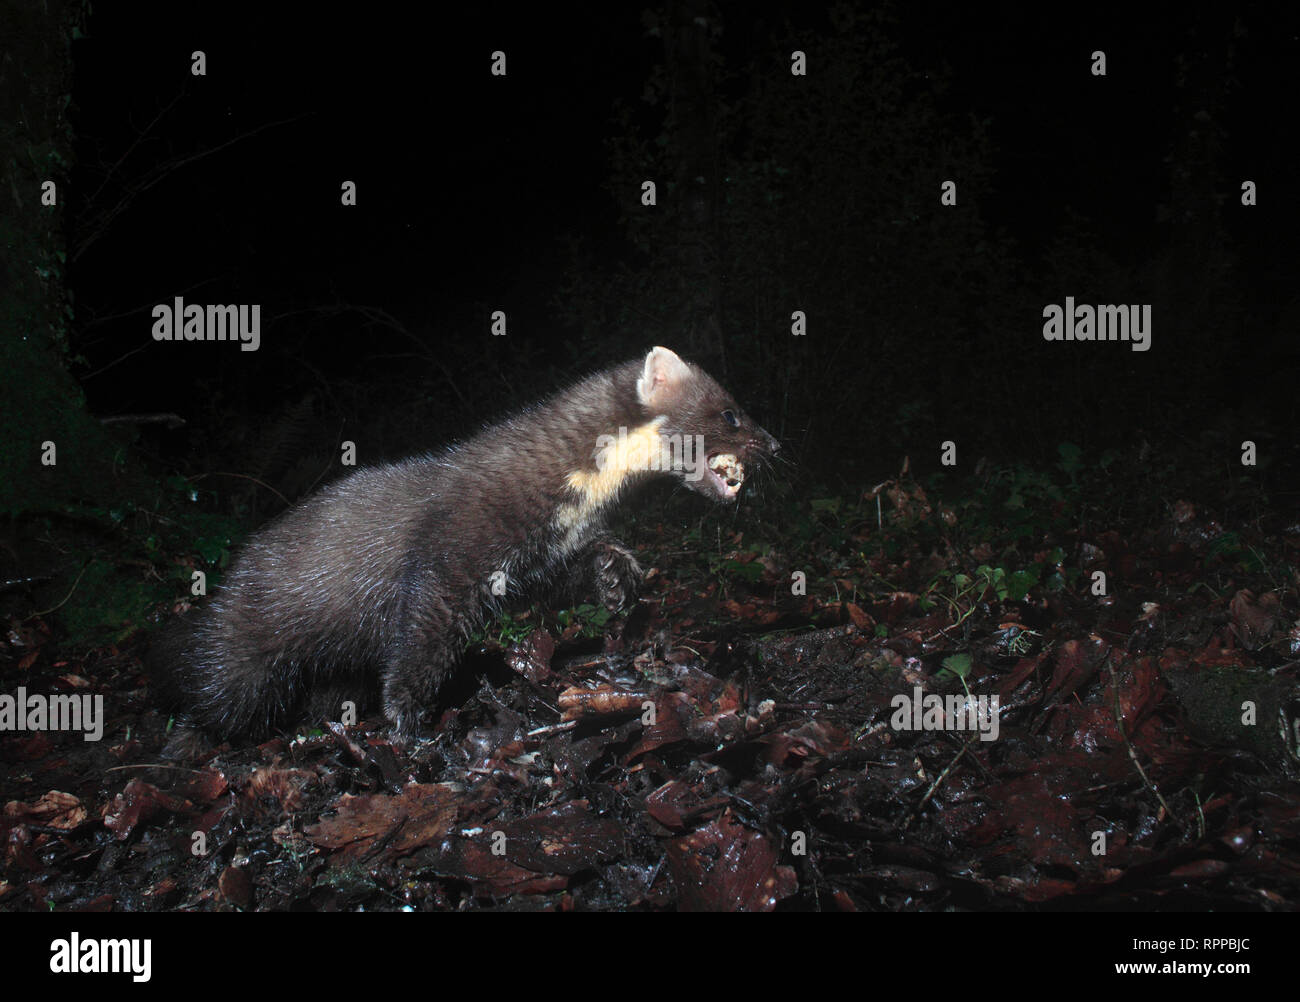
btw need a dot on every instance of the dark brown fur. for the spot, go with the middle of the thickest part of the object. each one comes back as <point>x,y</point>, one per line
<point>388,570</point>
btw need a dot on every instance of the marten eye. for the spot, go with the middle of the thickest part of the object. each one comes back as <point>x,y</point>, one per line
<point>731,419</point>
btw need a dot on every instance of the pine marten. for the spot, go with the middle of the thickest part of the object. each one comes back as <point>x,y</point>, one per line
<point>389,569</point>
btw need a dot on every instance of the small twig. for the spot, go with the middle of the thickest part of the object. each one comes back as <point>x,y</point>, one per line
<point>244,476</point>
<point>120,358</point>
<point>170,420</point>
<point>103,220</point>
<point>69,594</point>
<point>549,729</point>
<point>939,780</point>
<point>1132,752</point>
<point>868,732</point>
<point>386,839</point>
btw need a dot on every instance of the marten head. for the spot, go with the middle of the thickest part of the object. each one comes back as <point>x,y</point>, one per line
<point>703,436</point>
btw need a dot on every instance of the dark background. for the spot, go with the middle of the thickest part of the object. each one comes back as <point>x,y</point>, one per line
<point>776,193</point>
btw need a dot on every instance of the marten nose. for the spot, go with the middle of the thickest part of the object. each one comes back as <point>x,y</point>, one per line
<point>767,443</point>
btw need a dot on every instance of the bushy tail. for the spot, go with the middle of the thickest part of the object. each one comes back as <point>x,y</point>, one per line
<point>226,690</point>
<point>169,667</point>
<point>167,664</point>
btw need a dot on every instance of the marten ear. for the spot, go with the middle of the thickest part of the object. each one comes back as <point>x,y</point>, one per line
<point>664,373</point>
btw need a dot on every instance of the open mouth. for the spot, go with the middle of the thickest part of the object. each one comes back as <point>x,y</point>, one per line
<point>727,473</point>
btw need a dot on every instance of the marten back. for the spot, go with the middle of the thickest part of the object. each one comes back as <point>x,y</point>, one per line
<point>385,572</point>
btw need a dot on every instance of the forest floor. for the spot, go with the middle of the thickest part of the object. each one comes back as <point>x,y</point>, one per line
<point>1021,701</point>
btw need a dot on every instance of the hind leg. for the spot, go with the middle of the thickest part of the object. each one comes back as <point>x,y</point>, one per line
<point>425,652</point>
<point>330,697</point>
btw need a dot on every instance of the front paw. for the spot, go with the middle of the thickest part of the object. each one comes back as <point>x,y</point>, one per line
<point>616,574</point>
